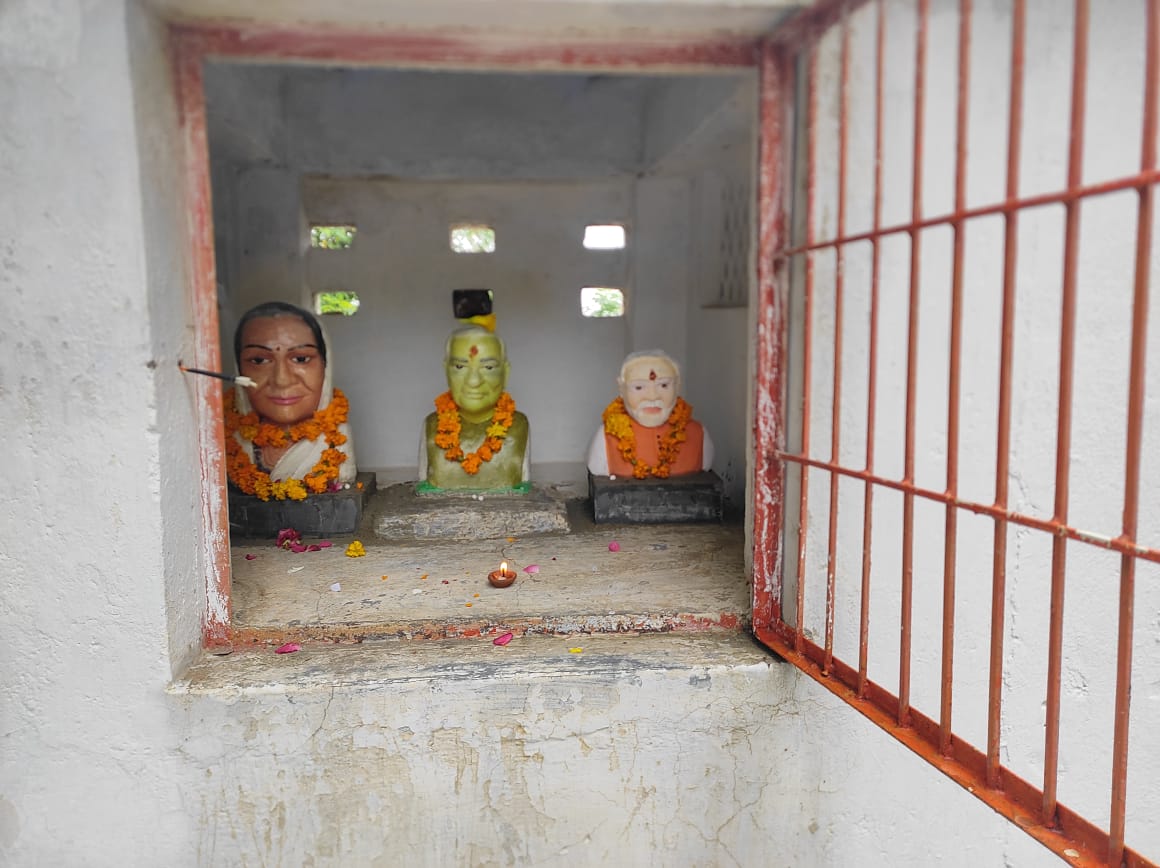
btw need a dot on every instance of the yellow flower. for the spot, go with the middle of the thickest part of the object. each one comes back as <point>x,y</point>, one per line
<point>355,550</point>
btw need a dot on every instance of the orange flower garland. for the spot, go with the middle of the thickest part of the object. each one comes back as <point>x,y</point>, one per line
<point>242,471</point>
<point>448,425</point>
<point>618,423</point>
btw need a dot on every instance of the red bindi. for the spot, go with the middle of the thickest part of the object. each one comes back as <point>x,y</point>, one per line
<point>474,350</point>
<point>652,375</point>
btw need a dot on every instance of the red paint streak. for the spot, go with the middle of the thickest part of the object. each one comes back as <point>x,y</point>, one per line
<point>769,429</point>
<point>216,548</point>
<point>378,48</point>
<point>535,626</point>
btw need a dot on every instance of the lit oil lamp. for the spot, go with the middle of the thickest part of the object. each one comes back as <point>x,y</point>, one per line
<point>503,577</point>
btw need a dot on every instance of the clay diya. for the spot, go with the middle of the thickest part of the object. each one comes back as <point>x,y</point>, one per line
<point>503,577</point>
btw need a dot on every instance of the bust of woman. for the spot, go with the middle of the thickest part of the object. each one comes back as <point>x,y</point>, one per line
<point>287,435</point>
<point>476,440</point>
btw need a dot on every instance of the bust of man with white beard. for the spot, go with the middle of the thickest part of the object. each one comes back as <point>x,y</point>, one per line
<point>649,430</point>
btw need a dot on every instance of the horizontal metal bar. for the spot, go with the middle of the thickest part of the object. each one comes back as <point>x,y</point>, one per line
<point>1115,544</point>
<point>1007,206</point>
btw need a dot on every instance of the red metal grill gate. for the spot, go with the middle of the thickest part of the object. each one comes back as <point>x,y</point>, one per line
<point>790,344</point>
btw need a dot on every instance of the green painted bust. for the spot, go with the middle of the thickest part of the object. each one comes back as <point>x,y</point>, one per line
<point>475,440</point>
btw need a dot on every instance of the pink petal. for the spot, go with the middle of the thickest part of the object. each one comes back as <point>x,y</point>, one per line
<point>502,640</point>
<point>287,535</point>
<point>250,557</point>
<point>614,546</point>
<point>532,568</point>
<point>313,548</point>
<point>288,648</point>
<point>325,544</point>
<point>297,548</point>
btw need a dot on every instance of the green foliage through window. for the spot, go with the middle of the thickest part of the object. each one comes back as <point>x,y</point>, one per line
<point>472,239</point>
<point>337,302</point>
<point>601,301</point>
<point>332,237</point>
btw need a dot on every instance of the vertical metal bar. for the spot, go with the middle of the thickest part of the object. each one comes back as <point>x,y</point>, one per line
<point>872,359</point>
<point>836,406</point>
<point>1002,451</point>
<point>954,379</point>
<point>912,367</point>
<point>769,421</point>
<point>1134,440</point>
<point>807,340</point>
<point>1064,411</point>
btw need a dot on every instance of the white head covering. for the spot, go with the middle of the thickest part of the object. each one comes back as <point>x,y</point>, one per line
<point>303,455</point>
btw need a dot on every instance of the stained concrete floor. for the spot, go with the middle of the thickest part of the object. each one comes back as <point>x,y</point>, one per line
<point>664,577</point>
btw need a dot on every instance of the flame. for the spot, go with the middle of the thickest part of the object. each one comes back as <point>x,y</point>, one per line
<point>503,568</point>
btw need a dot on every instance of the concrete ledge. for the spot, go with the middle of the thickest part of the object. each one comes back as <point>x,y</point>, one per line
<point>326,666</point>
<point>319,515</point>
<point>695,497</point>
<point>399,514</point>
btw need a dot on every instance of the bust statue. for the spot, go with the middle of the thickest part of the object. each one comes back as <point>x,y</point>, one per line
<point>649,430</point>
<point>476,440</point>
<point>286,435</point>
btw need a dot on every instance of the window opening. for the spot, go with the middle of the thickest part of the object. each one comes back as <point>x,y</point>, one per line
<point>332,237</point>
<point>336,301</point>
<point>604,236</point>
<point>473,238</point>
<point>909,471</point>
<point>601,301</point>
<point>203,54</point>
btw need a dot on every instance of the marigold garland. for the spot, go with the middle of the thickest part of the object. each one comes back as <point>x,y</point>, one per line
<point>618,424</point>
<point>242,471</point>
<point>448,425</point>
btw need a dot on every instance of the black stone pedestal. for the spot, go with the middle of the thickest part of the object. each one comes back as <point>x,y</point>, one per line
<point>694,497</point>
<point>319,515</point>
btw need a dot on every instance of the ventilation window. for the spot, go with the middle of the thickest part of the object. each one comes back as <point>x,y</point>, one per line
<point>337,301</point>
<point>604,236</point>
<point>601,301</point>
<point>332,237</point>
<point>472,238</point>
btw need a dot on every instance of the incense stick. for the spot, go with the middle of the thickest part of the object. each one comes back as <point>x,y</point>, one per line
<point>229,378</point>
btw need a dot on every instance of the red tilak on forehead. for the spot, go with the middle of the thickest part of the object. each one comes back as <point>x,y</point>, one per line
<point>474,350</point>
<point>652,375</point>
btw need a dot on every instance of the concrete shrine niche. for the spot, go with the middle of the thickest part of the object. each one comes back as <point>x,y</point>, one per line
<point>650,461</point>
<point>289,455</point>
<point>475,440</point>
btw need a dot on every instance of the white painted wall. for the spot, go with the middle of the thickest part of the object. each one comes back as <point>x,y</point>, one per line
<point>719,759</point>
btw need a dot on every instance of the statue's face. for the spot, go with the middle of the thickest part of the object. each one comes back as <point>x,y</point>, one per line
<point>476,374</point>
<point>280,355</point>
<point>649,390</point>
